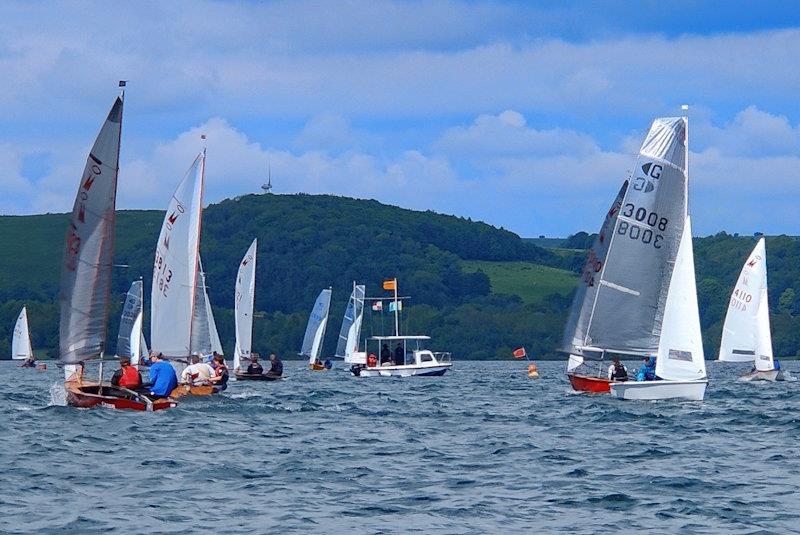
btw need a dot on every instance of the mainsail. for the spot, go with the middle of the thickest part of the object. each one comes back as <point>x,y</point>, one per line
<point>205,338</point>
<point>627,309</point>
<point>351,323</point>
<point>21,340</point>
<point>86,270</point>
<point>746,333</point>
<point>243,304</point>
<point>130,340</point>
<point>175,271</point>
<point>680,349</point>
<point>315,330</point>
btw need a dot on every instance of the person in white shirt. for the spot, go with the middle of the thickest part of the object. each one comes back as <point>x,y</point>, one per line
<point>197,373</point>
<point>617,371</point>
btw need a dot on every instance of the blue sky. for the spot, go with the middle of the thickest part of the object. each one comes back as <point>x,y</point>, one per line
<point>527,115</point>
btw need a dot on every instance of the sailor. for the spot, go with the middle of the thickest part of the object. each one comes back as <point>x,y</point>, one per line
<point>776,364</point>
<point>399,355</point>
<point>328,364</point>
<point>386,355</point>
<point>197,373</point>
<point>647,371</point>
<point>163,379</point>
<point>126,376</point>
<point>221,375</point>
<point>254,368</point>
<point>372,360</point>
<point>29,362</point>
<point>276,370</point>
<point>617,371</point>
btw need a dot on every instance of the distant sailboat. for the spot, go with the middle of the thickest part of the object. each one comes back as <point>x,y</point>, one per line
<point>640,297</point>
<point>315,330</point>
<point>351,324</point>
<point>244,301</point>
<point>21,340</point>
<point>746,335</point>
<point>86,276</point>
<point>130,339</point>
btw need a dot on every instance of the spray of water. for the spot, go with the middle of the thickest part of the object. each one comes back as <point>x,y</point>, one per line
<point>58,396</point>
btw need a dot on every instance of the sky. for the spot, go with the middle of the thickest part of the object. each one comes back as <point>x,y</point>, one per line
<point>526,115</point>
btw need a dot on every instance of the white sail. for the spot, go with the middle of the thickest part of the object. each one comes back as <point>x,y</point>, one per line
<point>315,330</point>
<point>87,265</point>
<point>216,345</point>
<point>130,336</point>
<point>244,301</point>
<point>746,332</point>
<point>21,340</point>
<point>680,350</point>
<point>205,338</point>
<point>175,271</point>
<point>628,309</point>
<point>351,323</point>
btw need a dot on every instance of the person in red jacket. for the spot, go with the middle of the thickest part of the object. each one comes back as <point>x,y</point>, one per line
<point>126,376</point>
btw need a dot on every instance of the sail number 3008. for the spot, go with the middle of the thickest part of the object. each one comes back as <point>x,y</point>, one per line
<point>642,232</point>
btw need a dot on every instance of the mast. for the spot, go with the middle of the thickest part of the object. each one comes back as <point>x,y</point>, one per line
<point>396,311</point>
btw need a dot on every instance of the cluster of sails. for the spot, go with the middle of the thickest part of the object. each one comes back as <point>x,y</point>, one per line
<point>637,294</point>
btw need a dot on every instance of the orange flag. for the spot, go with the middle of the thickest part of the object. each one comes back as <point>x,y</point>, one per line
<point>390,284</point>
<point>520,353</point>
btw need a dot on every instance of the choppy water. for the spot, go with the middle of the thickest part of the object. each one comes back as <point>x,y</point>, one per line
<point>481,450</point>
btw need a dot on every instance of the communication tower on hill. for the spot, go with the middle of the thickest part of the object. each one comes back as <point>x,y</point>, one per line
<point>267,186</point>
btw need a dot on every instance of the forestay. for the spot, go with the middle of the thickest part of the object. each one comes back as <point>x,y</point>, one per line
<point>244,301</point>
<point>746,333</point>
<point>680,351</point>
<point>21,340</point>
<point>628,308</point>
<point>315,330</point>
<point>582,304</point>
<point>87,264</point>
<point>351,323</point>
<point>176,266</point>
<point>130,339</point>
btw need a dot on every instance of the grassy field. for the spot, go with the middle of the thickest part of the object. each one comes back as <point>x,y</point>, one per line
<point>532,282</point>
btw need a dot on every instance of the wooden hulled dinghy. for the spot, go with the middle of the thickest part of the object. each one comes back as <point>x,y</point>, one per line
<point>88,395</point>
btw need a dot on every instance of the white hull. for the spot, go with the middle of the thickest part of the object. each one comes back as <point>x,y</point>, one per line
<point>771,375</point>
<point>652,390</point>
<point>405,371</point>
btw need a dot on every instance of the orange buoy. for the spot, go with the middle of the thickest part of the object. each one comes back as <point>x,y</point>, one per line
<point>533,371</point>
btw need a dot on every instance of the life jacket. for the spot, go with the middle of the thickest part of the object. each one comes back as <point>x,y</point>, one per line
<point>372,361</point>
<point>620,372</point>
<point>130,377</point>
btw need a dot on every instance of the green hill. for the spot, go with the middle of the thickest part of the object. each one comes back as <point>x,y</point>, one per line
<point>306,243</point>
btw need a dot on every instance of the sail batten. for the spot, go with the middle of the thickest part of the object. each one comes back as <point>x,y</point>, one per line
<point>88,255</point>
<point>244,301</point>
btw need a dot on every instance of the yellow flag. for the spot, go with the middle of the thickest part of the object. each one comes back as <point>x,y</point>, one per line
<point>390,284</point>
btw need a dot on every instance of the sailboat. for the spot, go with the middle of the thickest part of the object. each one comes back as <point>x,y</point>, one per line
<point>21,339</point>
<point>351,324</point>
<point>746,333</point>
<point>642,299</point>
<point>244,301</point>
<point>130,339</point>
<point>86,276</point>
<point>205,339</point>
<point>179,320</point>
<point>315,330</point>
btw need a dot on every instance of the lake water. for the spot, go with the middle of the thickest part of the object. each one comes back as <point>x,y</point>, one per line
<point>481,450</point>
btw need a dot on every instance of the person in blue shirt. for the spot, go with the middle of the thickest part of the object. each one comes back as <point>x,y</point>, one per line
<point>163,379</point>
<point>647,371</point>
<point>776,364</point>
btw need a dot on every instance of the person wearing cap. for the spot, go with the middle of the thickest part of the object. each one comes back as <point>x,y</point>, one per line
<point>197,373</point>
<point>255,367</point>
<point>617,371</point>
<point>163,379</point>
<point>126,376</point>
<point>647,371</point>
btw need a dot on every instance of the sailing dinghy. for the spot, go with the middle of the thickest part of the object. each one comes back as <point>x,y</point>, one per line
<point>640,298</point>
<point>315,330</point>
<point>179,309</point>
<point>746,333</point>
<point>130,339</point>
<point>244,301</point>
<point>350,331</point>
<point>21,348</point>
<point>86,277</point>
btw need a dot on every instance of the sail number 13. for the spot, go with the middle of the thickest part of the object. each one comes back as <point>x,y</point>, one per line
<point>647,231</point>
